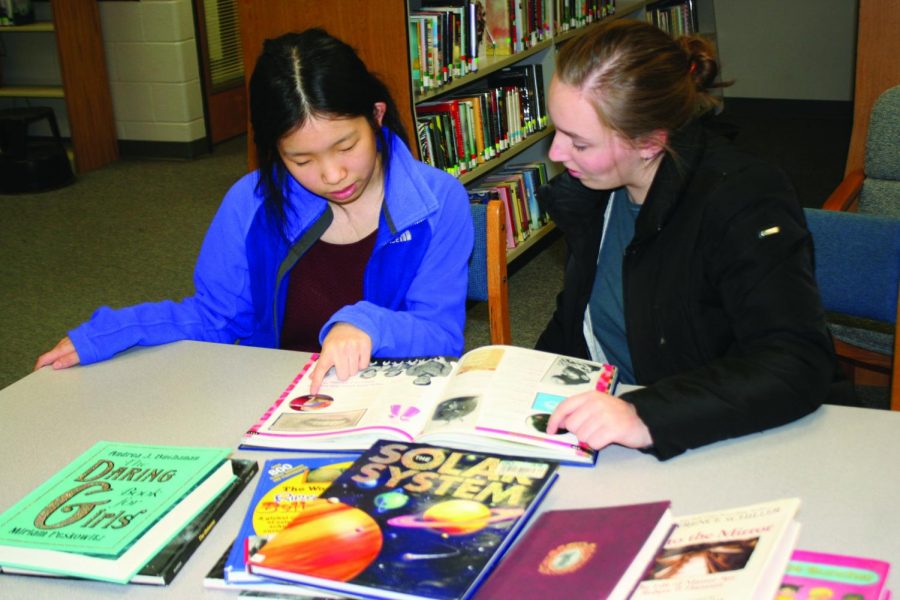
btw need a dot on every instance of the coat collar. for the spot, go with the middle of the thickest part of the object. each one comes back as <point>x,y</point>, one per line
<point>673,178</point>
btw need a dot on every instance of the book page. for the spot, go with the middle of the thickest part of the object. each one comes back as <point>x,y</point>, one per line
<point>509,393</point>
<point>388,397</point>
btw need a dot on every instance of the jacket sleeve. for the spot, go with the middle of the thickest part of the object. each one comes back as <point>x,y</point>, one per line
<point>434,317</point>
<point>219,311</point>
<point>780,364</point>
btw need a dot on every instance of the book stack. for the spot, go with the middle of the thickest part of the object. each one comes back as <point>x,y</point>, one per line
<point>404,520</point>
<point>121,513</point>
<point>286,486</point>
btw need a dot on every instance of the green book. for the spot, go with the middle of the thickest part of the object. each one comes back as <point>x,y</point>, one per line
<point>110,510</point>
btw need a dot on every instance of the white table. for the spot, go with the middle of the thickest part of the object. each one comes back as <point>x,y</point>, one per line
<point>841,461</point>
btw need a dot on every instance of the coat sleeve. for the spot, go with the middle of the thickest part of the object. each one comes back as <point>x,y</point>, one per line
<point>434,317</point>
<point>219,311</point>
<point>757,254</point>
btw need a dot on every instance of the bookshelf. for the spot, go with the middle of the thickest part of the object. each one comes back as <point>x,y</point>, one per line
<point>379,32</point>
<point>74,27</point>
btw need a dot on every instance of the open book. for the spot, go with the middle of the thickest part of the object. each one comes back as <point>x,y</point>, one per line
<point>494,399</point>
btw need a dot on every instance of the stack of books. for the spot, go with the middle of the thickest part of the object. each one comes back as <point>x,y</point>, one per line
<point>123,513</point>
<point>404,520</point>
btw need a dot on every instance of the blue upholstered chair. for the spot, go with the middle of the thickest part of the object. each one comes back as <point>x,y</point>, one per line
<point>857,261</point>
<point>487,267</point>
<point>875,189</point>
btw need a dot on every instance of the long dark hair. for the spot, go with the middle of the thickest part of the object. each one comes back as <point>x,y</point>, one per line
<point>303,75</point>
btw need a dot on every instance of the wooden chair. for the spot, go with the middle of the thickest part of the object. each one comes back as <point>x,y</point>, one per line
<point>867,352</point>
<point>487,268</point>
<point>857,260</point>
<point>875,188</point>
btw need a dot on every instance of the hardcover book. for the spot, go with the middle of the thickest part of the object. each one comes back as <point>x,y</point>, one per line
<point>733,554</point>
<point>821,576</point>
<point>107,513</point>
<point>163,567</point>
<point>495,399</point>
<point>264,588</point>
<point>285,487</point>
<point>409,521</point>
<point>582,553</point>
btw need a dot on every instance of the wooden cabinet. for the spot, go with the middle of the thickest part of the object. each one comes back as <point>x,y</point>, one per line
<point>75,30</point>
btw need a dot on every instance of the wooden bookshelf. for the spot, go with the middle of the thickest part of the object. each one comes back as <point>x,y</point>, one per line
<point>76,31</point>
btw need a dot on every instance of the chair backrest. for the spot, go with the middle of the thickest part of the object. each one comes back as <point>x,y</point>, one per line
<point>487,267</point>
<point>881,188</point>
<point>857,261</point>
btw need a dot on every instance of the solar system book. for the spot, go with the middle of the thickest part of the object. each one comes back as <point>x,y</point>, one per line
<point>285,487</point>
<point>409,520</point>
<point>492,399</point>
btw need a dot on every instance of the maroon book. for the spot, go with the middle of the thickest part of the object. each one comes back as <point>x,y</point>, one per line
<point>582,553</point>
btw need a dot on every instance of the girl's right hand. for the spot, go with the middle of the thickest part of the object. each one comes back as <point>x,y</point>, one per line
<point>62,356</point>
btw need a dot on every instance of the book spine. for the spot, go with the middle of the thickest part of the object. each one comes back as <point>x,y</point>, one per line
<point>200,528</point>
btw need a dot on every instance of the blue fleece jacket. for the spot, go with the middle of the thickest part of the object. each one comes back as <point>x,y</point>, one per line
<point>414,291</point>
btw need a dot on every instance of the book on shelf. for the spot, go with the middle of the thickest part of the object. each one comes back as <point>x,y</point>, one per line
<point>499,27</point>
<point>451,108</point>
<point>494,398</point>
<point>285,487</point>
<point>409,520</point>
<point>111,510</point>
<point>162,568</point>
<point>528,83</point>
<point>450,30</point>
<point>483,195</point>
<point>731,554</point>
<point>824,576</point>
<point>582,553</point>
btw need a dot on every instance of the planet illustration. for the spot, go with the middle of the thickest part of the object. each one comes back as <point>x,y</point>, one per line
<point>328,539</point>
<point>311,402</point>
<point>457,517</point>
<point>328,473</point>
<point>390,500</point>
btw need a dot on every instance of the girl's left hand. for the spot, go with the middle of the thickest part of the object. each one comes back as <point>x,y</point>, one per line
<point>598,420</point>
<point>347,349</point>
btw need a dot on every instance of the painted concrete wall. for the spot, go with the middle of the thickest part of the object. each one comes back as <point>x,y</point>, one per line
<point>151,54</point>
<point>788,49</point>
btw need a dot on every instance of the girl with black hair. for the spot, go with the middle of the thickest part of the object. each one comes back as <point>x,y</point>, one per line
<point>339,243</point>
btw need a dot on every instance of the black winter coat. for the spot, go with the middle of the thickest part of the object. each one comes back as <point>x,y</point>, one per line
<point>724,322</point>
